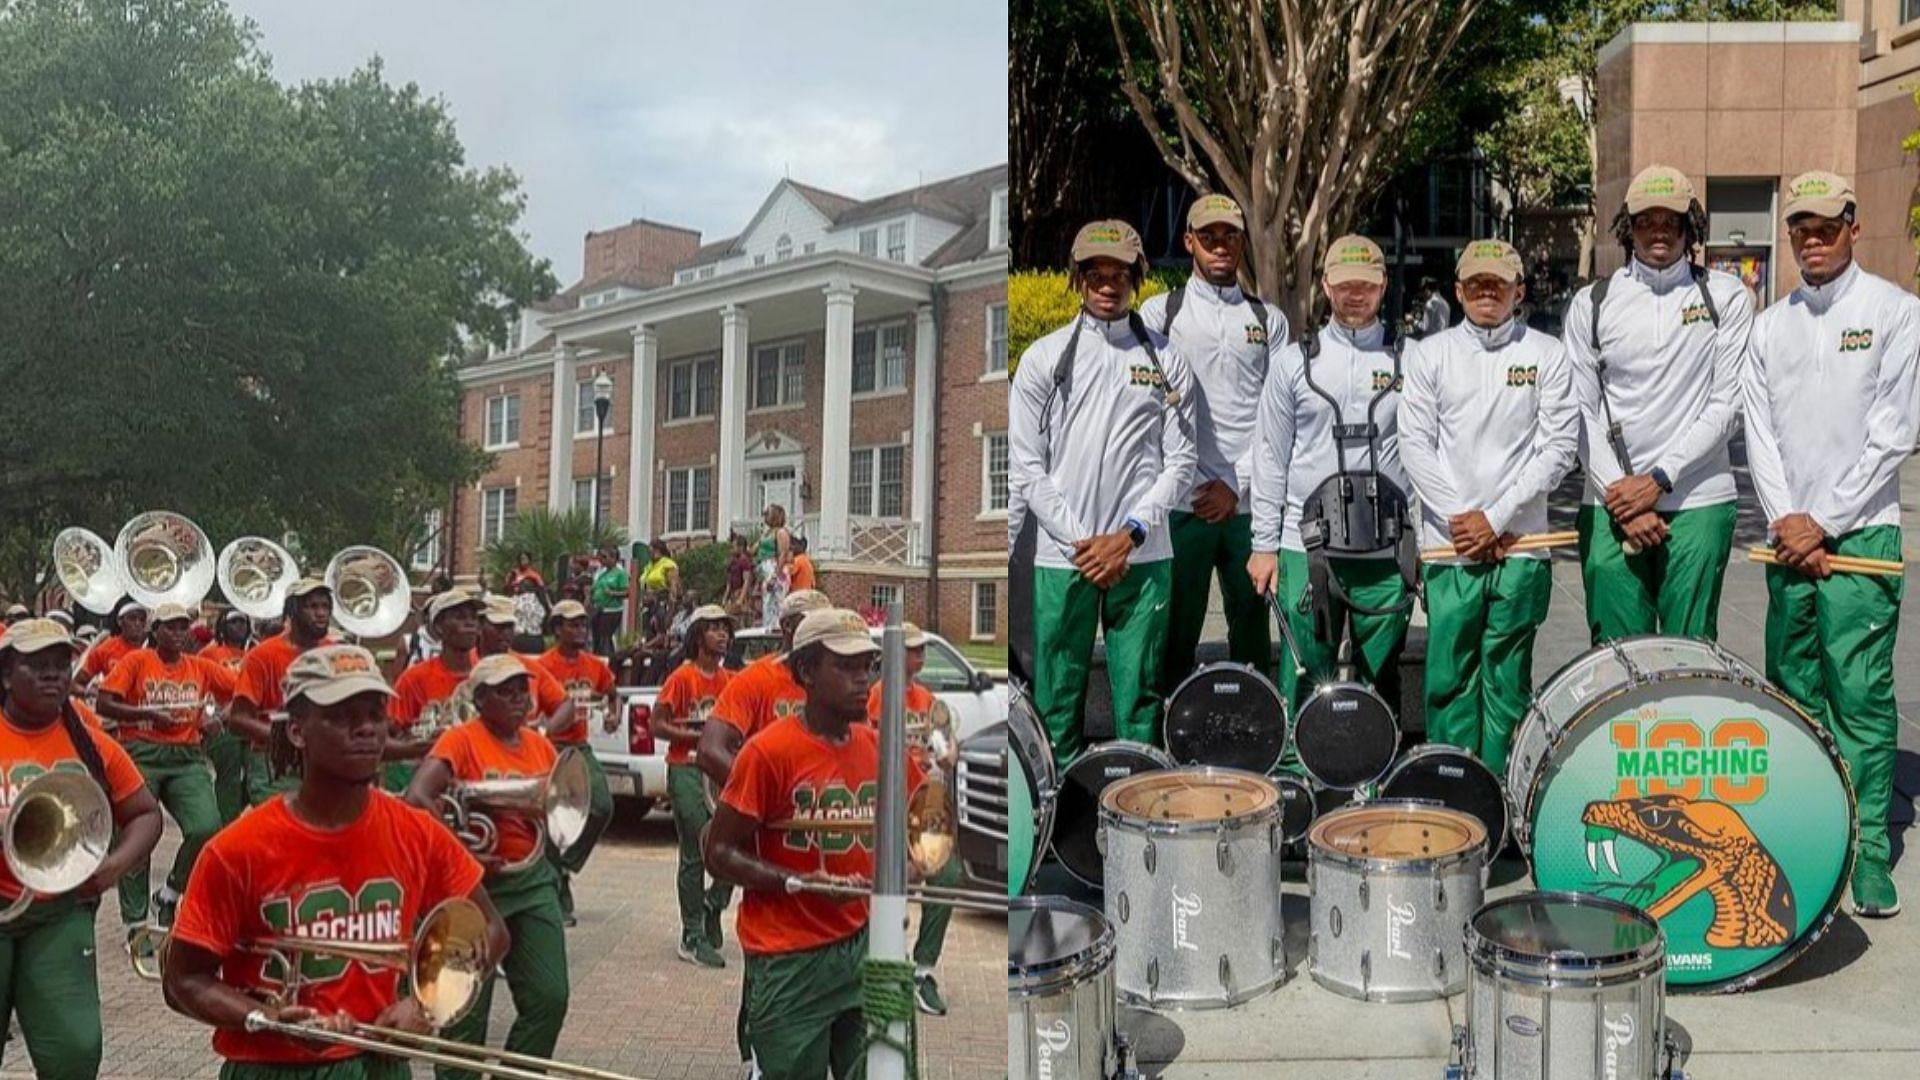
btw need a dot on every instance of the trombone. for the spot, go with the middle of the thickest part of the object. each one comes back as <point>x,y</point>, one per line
<point>56,835</point>
<point>930,845</point>
<point>556,804</point>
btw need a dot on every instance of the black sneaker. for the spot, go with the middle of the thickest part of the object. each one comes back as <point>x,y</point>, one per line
<point>926,995</point>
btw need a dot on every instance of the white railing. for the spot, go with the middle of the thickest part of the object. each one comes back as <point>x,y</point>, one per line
<point>881,541</point>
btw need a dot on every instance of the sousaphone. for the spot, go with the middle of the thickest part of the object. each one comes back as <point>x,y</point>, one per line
<point>371,594</point>
<point>164,559</point>
<point>85,565</point>
<point>256,575</point>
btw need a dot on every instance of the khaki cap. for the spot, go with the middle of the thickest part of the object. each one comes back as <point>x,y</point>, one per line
<point>129,607</point>
<point>306,585</point>
<point>916,637</point>
<point>62,617</point>
<point>802,602</point>
<point>841,631</point>
<point>1493,257</point>
<point>447,601</point>
<point>497,669</point>
<point>1109,240</point>
<point>568,609</point>
<point>1215,210</point>
<point>33,635</point>
<point>498,610</point>
<point>19,610</point>
<point>170,612</point>
<point>1824,194</point>
<point>330,674</point>
<point>710,612</point>
<point>1354,258</point>
<point>1660,187</point>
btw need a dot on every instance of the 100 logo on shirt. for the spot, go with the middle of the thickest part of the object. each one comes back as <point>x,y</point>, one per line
<point>833,803</point>
<point>369,916</point>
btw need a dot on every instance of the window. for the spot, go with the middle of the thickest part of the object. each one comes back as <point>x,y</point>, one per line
<point>880,358</point>
<point>945,671</point>
<point>779,375</point>
<point>993,493</point>
<point>584,416</point>
<point>876,484</point>
<point>870,242</point>
<point>783,248</point>
<point>986,610</point>
<point>996,339</point>
<point>808,249</point>
<point>692,389</point>
<point>897,241</point>
<point>583,497</point>
<point>1909,10</point>
<point>690,500</point>
<point>759,260</point>
<point>497,509</point>
<point>997,227</point>
<point>706,272</point>
<point>883,595</point>
<point>503,422</point>
<point>426,554</point>
<point>604,296</point>
<point>683,277</point>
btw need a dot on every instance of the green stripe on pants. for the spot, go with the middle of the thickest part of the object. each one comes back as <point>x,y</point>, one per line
<point>1203,552</point>
<point>1132,614</point>
<point>48,977</point>
<point>182,779</point>
<point>228,753</point>
<point>1670,589</point>
<point>1481,622</point>
<point>803,1012</point>
<point>535,968</point>
<point>1830,647</point>
<point>688,796</point>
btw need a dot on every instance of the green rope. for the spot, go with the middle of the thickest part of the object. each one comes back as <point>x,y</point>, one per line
<point>886,997</point>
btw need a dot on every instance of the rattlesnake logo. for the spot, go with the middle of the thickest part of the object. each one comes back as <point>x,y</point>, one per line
<point>1702,846</point>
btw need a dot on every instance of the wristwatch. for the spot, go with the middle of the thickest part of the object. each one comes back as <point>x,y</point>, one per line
<point>1661,478</point>
<point>1136,531</point>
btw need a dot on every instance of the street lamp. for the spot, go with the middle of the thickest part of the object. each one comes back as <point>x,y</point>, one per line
<point>602,402</point>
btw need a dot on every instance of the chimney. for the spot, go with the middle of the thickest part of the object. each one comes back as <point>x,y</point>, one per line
<point>642,250</point>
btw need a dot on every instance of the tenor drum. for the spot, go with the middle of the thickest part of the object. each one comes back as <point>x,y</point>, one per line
<point>1193,887</point>
<point>1060,1003</point>
<point>1392,885</point>
<point>1563,986</point>
<point>1455,779</point>
<point>1076,821</point>
<point>1346,736</point>
<point>1299,806</point>
<point>1228,715</point>
<point>1668,773</point>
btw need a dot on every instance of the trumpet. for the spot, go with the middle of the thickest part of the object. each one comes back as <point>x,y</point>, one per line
<point>56,836</point>
<point>556,804</point>
<point>931,824</point>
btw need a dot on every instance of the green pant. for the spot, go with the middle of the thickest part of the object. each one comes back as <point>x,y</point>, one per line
<point>1203,551</point>
<point>360,1067</point>
<point>396,776</point>
<point>182,779</point>
<point>803,1012</point>
<point>48,977</point>
<point>1830,647</point>
<point>934,919</point>
<point>228,753</point>
<point>1375,583</point>
<point>261,783</point>
<point>1670,589</point>
<point>1067,613</point>
<point>535,967</point>
<point>1481,621</point>
<point>698,900</point>
<point>599,814</point>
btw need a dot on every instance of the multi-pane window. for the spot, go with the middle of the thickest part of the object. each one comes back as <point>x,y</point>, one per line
<point>690,500</point>
<point>996,338</point>
<point>426,555</point>
<point>779,375</point>
<point>503,421</point>
<point>497,509</point>
<point>993,496</point>
<point>876,481</point>
<point>880,358</point>
<point>986,610</point>
<point>999,226</point>
<point>783,248</point>
<point>583,488</point>
<point>585,419</point>
<point>897,241</point>
<point>870,242</point>
<point>882,596</point>
<point>692,388</point>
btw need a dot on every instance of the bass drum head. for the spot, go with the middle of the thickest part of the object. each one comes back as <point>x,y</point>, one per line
<point>1455,779</point>
<point>1715,806</point>
<point>1031,788</point>
<point>1346,736</point>
<point>1298,808</point>
<point>1227,715</point>
<point>1076,823</point>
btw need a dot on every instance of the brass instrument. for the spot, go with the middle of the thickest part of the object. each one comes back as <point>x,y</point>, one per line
<point>164,559</point>
<point>85,565</point>
<point>931,827</point>
<point>56,835</point>
<point>256,575</point>
<point>556,804</point>
<point>371,595</point>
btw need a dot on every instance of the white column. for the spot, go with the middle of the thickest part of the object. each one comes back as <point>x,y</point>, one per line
<point>566,368</point>
<point>924,348</point>
<point>646,386</point>
<point>734,357</point>
<point>836,421</point>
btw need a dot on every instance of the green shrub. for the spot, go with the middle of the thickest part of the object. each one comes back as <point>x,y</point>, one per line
<point>704,570</point>
<point>547,537</point>
<point>1039,302</point>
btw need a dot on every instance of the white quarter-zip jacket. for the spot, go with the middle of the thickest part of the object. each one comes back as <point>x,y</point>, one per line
<point>1487,422</point>
<point>1296,452</point>
<point>1105,448</point>
<point>1230,352</point>
<point>1832,392</point>
<point>1672,378</point>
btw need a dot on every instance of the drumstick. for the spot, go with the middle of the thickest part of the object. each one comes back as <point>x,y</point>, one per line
<point>1530,542</point>
<point>1849,564</point>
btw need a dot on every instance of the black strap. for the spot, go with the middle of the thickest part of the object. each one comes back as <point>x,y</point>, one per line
<point>1174,299</point>
<point>1616,437</point>
<point>1178,297</point>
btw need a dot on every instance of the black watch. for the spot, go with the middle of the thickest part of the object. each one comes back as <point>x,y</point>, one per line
<point>1136,532</point>
<point>1661,478</point>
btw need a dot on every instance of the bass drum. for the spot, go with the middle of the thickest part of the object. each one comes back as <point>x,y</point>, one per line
<point>1299,806</point>
<point>1227,715</point>
<point>1346,736</point>
<point>1076,825</point>
<point>1456,780</point>
<point>1032,788</point>
<point>1667,773</point>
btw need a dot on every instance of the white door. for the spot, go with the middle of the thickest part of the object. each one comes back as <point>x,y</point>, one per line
<point>778,487</point>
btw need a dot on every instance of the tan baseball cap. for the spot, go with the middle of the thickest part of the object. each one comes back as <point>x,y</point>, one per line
<point>916,637</point>
<point>802,601</point>
<point>1660,187</point>
<point>1493,257</point>
<point>170,612</point>
<point>497,669</point>
<point>447,601</point>
<point>330,674</point>
<point>841,631</point>
<point>707,612</point>
<point>1111,239</point>
<point>62,617</point>
<point>17,610</point>
<point>1354,258</point>
<point>568,609</point>
<point>1823,194</point>
<point>1215,210</point>
<point>33,635</point>
<point>306,585</point>
<point>497,610</point>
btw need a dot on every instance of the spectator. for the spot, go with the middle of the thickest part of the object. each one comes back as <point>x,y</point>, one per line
<point>662,576</point>
<point>683,616</point>
<point>739,598</point>
<point>775,558</point>
<point>610,586</point>
<point>522,571</point>
<point>800,575</point>
<point>530,610</point>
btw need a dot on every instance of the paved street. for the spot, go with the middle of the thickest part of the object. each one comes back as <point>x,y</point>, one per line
<point>635,1007</point>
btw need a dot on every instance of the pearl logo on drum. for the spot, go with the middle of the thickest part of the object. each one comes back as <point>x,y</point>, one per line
<point>1619,1037</point>
<point>1183,908</point>
<point>1049,1040</point>
<point>1399,917</point>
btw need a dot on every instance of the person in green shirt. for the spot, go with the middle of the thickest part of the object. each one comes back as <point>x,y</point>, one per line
<point>609,600</point>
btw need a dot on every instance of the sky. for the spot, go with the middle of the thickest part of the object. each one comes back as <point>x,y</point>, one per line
<point>687,113</point>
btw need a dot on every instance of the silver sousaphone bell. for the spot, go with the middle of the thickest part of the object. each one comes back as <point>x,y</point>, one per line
<point>85,565</point>
<point>371,594</point>
<point>256,575</point>
<point>164,559</point>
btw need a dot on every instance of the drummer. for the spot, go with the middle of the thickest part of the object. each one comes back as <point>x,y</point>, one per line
<point>1487,429</point>
<point>1831,413</point>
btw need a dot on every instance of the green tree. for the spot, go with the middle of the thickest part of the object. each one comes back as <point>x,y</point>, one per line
<point>228,297</point>
<point>548,537</point>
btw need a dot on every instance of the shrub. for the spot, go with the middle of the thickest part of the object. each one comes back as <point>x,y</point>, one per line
<point>548,537</point>
<point>1039,302</point>
<point>704,570</point>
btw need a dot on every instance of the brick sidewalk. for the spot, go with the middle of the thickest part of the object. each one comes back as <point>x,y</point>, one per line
<point>636,1008</point>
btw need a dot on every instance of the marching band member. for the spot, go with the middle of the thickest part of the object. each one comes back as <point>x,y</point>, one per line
<point>1101,420</point>
<point>588,680</point>
<point>17,613</point>
<point>433,690</point>
<point>551,706</point>
<point>47,973</point>
<point>258,693</point>
<point>228,751</point>
<point>130,623</point>
<point>680,711</point>
<point>1657,418</point>
<point>804,952</point>
<point>1231,340</point>
<point>499,745</point>
<point>1830,389</point>
<point>159,696</point>
<point>759,694</point>
<point>332,858</point>
<point>1488,426</point>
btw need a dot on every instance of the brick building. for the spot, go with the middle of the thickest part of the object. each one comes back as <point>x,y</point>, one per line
<point>844,358</point>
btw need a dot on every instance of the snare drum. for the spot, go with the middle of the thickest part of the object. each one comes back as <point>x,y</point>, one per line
<point>1076,822</point>
<point>1455,779</point>
<point>1667,773</point>
<point>1060,1003</point>
<point>1345,736</point>
<point>1392,884</point>
<point>1563,987</point>
<point>1228,715</point>
<point>1193,887</point>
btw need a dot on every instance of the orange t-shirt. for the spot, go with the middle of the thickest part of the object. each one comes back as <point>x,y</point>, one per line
<point>227,656</point>
<point>270,873</point>
<point>105,653</point>
<point>26,755</point>
<point>180,689</point>
<point>474,753</point>
<point>427,684</point>
<point>800,573</point>
<point>761,693</point>
<point>919,717</point>
<point>787,772</point>
<point>691,695</point>
<point>548,694</point>
<point>588,680</point>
